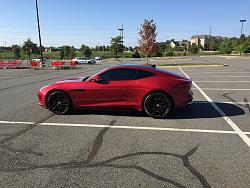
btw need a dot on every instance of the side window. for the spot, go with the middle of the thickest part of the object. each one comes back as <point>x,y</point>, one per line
<point>143,74</point>
<point>119,74</point>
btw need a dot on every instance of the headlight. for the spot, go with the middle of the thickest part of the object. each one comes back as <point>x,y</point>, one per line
<point>44,87</point>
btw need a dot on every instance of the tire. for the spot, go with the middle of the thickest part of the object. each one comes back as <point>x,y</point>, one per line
<point>157,105</point>
<point>59,103</point>
<point>89,62</point>
<point>76,63</point>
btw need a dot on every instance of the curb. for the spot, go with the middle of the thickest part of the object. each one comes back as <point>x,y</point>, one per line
<point>191,66</point>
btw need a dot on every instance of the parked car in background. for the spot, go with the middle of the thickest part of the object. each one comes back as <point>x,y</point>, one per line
<point>98,58</point>
<point>83,60</point>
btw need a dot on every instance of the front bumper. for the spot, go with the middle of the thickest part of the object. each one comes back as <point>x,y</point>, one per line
<point>41,99</point>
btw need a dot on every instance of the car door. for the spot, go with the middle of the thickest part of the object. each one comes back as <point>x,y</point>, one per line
<point>113,92</point>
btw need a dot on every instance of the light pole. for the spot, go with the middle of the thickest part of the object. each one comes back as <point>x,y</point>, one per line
<point>242,22</point>
<point>39,32</point>
<point>121,36</point>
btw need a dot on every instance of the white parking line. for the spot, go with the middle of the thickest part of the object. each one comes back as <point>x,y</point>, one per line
<point>230,122</point>
<point>223,72</point>
<point>17,122</point>
<point>221,76</point>
<point>125,127</point>
<point>224,81</point>
<point>223,102</point>
<point>223,89</point>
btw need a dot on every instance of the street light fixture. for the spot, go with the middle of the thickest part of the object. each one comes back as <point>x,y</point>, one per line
<point>242,22</point>
<point>39,32</point>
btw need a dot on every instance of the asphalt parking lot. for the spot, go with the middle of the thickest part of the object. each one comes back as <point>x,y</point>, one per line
<point>204,145</point>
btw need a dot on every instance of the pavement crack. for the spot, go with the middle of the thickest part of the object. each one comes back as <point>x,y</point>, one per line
<point>97,145</point>
<point>227,96</point>
<point>108,163</point>
<point>148,172</point>
<point>112,122</point>
<point>8,147</point>
<point>4,142</point>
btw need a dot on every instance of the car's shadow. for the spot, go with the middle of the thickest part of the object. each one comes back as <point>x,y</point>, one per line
<point>203,109</point>
<point>197,110</point>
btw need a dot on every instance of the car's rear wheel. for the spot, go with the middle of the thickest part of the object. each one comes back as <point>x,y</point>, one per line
<point>158,105</point>
<point>89,62</point>
<point>59,102</point>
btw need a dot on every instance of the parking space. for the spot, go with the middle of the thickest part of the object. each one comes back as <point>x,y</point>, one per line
<point>194,147</point>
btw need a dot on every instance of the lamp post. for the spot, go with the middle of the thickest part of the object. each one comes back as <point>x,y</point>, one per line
<point>121,36</point>
<point>39,32</point>
<point>242,22</point>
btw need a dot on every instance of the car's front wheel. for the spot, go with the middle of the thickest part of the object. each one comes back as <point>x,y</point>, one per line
<point>158,105</point>
<point>59,103</point>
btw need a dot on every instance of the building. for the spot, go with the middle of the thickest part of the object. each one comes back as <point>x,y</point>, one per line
<point>204,40</point>
<point>51,49</point>
<point>174,44</point>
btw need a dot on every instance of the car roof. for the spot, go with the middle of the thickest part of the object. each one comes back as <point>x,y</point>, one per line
<point>144,67</point>
<point>133,66</point>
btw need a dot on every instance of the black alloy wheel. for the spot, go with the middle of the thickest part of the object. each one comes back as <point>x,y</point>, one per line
<point>158,105</point>
<point>59,103</point>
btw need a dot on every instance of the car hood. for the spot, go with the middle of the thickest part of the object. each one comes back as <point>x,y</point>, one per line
<point>77,79</point>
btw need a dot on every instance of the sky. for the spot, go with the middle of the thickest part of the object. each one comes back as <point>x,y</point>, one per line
<point>94,22</point>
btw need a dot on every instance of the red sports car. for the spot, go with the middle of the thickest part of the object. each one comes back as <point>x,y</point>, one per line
<point>144,88</point>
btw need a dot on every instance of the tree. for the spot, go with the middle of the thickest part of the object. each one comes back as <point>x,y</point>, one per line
<point>116,46</point>
<point>87,52</point>
<point>246,45</point>
<point>242,38</point>
<point>225,47</point>
<point>16,51</point>
<point>136,55</point>
<point>30,48</point>
<point>82,48</point>
<point>162,47</point>
<point>147,41</point>
<point>194,49</point>
<point>235,44</point>
<point>61,54</point>
<point>67,52</point>
<point>213,43</point>
<point>246,49</point>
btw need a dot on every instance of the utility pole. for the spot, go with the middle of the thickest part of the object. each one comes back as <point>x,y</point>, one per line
<point>242,22</point>
<point>39,32</point>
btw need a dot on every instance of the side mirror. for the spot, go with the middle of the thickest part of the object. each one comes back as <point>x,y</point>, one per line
<point>99,79</point>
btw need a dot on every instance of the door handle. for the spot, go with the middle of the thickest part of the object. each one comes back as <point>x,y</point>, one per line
<point>77,90</point>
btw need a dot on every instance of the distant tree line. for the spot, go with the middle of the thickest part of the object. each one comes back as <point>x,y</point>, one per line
<point>148,47</point>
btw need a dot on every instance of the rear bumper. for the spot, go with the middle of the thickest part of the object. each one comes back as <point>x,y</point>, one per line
<point>189,98</point>
<point>185,100</point>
